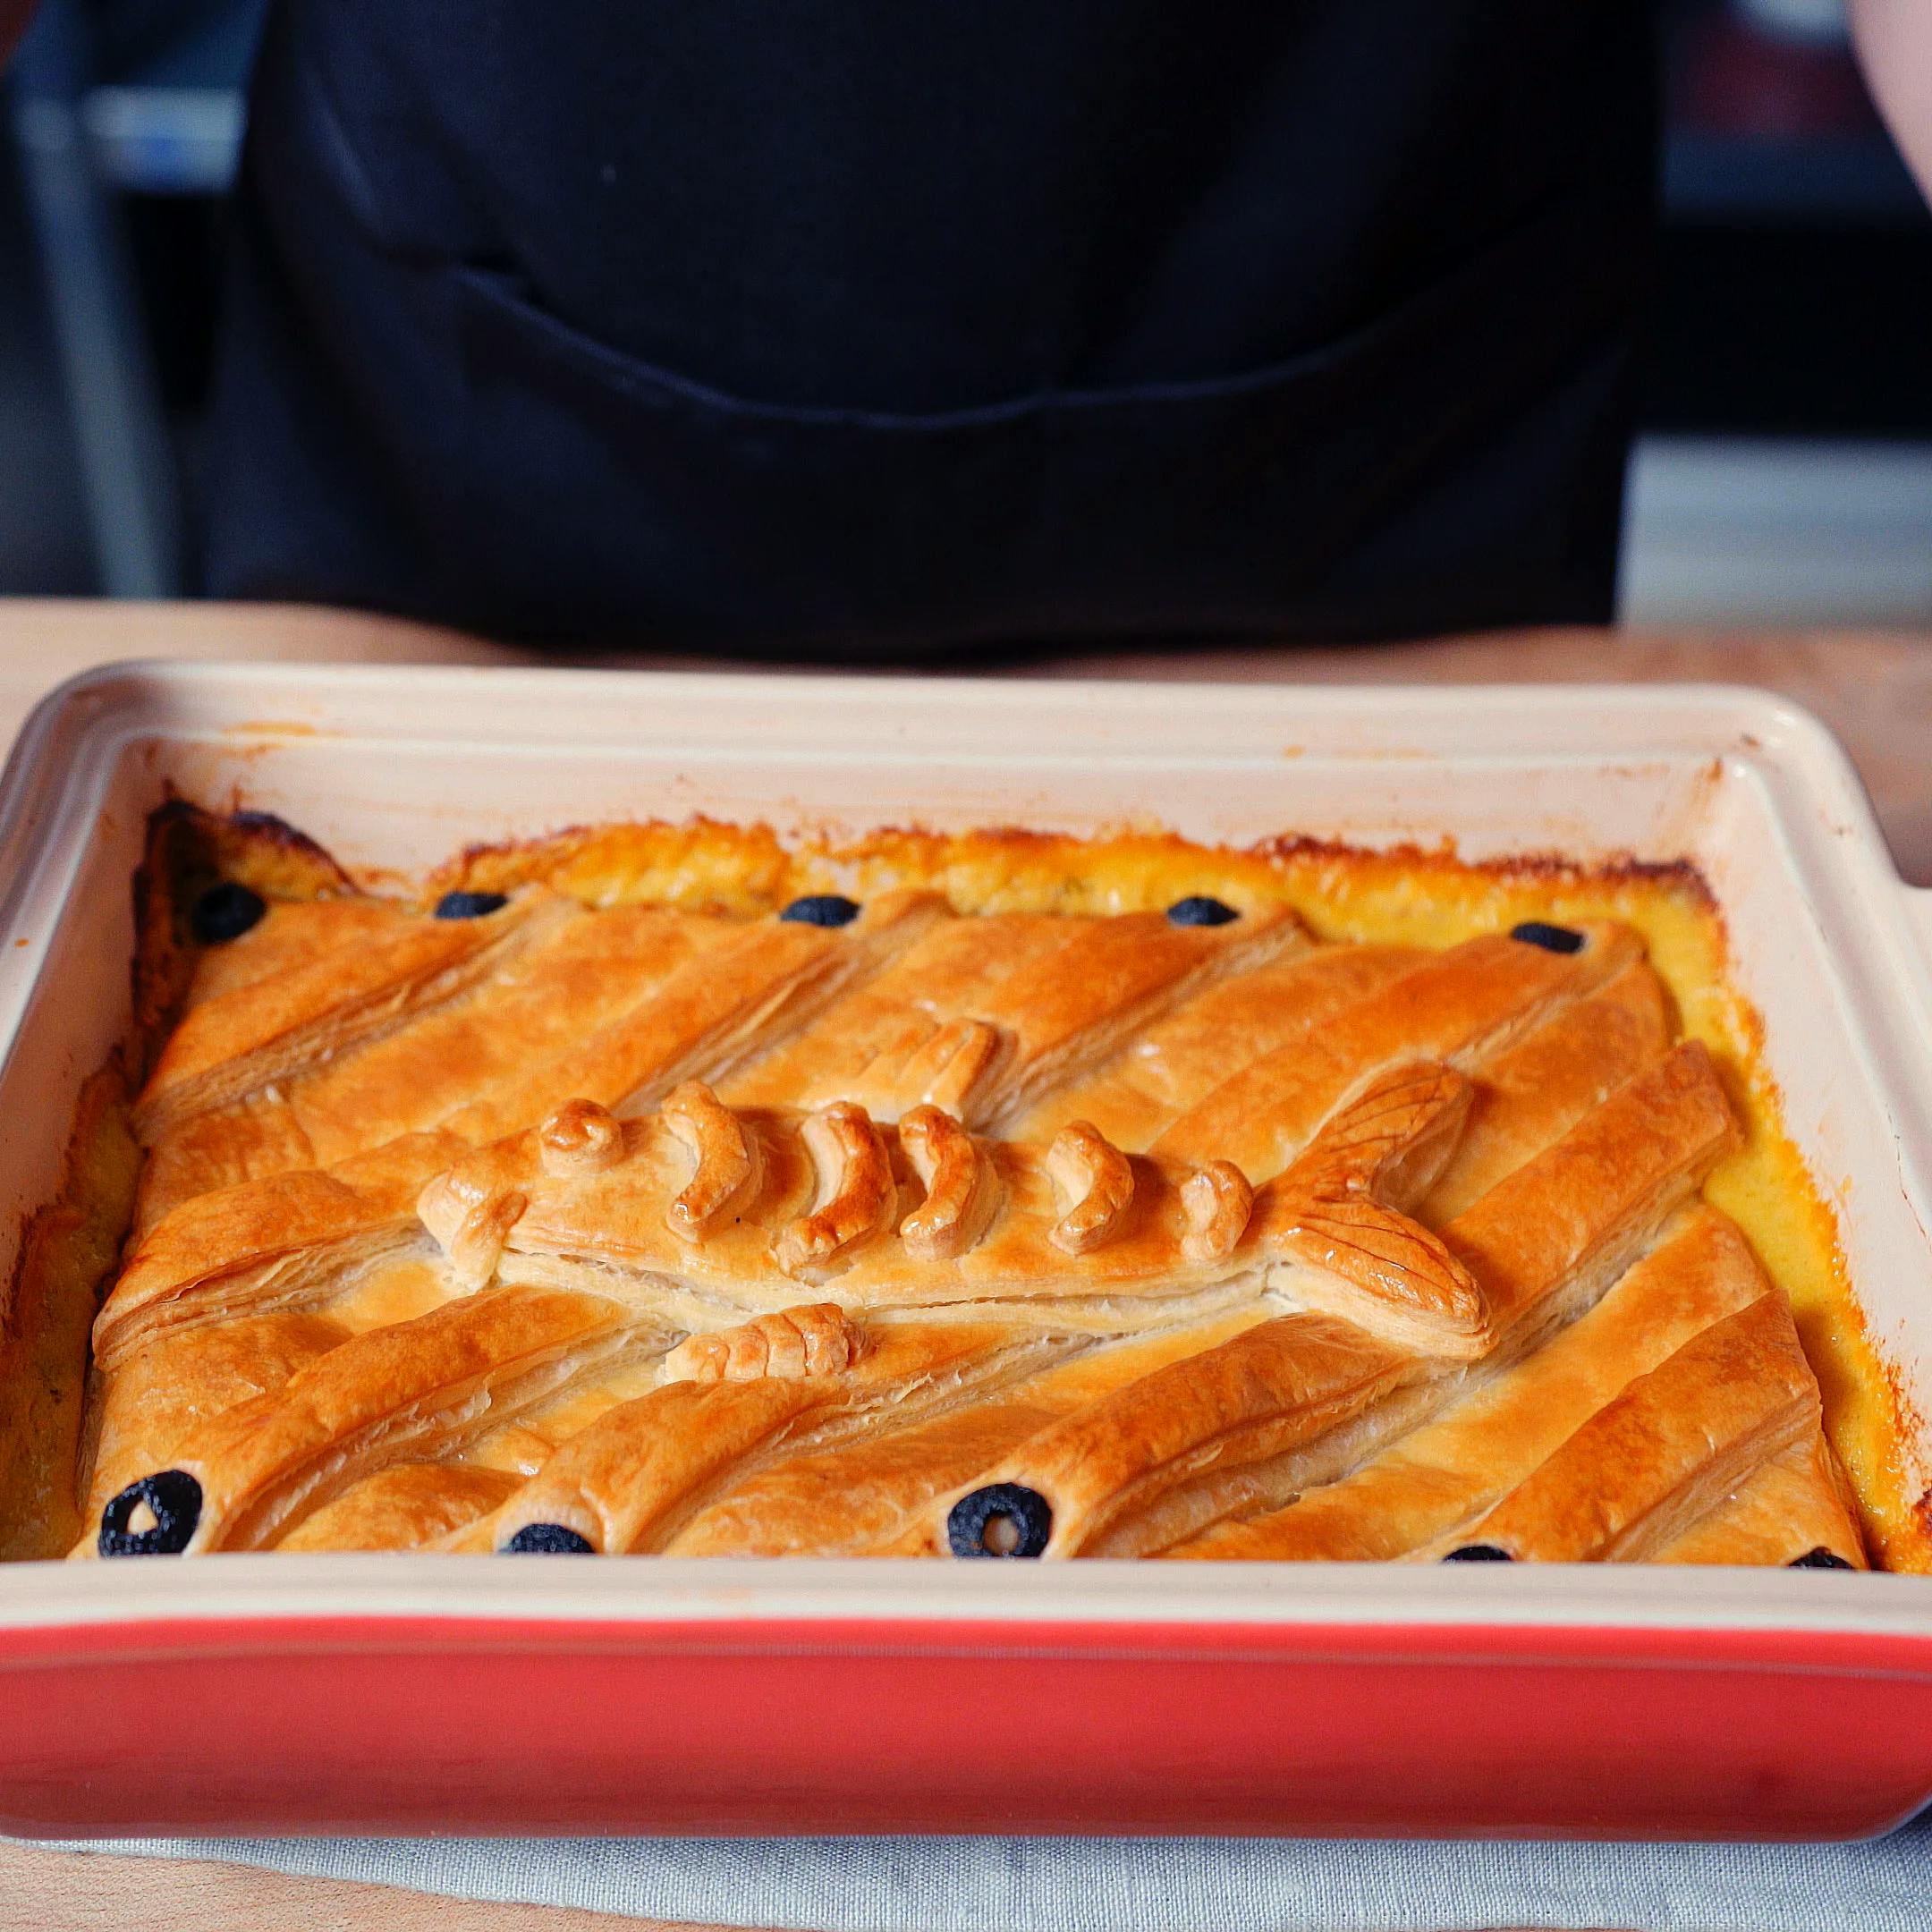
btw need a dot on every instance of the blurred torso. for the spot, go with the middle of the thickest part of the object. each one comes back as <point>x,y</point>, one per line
<point>882,328</point>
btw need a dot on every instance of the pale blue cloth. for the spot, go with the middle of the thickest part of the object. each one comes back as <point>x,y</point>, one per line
<point>1145,1885</point>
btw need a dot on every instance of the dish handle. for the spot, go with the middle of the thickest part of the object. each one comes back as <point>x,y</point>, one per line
<point>1917,901</point>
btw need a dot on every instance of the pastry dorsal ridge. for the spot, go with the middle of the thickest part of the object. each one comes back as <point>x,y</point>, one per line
<point>726,1172</point>
<point>962,1191</point>
<point>1098,1179</point>
<point>857,1192</point>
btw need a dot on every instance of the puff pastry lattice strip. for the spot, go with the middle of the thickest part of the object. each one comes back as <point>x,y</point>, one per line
<point>896,1230</point>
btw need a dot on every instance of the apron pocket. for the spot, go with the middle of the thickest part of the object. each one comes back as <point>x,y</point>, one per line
<point>719,524</point>
<point>1347,487</point>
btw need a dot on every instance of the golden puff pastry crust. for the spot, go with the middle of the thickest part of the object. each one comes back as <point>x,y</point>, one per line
<point>975,1216</point>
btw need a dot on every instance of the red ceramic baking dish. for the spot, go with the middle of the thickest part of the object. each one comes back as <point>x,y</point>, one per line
<point>417,1693</point>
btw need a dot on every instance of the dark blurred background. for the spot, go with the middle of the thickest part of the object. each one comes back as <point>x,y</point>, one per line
<point>1785,475</point>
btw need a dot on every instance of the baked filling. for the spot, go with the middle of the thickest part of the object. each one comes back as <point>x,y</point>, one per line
<point>621,1198</point>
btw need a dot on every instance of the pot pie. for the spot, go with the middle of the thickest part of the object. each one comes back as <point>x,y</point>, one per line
<point>669,1191</point>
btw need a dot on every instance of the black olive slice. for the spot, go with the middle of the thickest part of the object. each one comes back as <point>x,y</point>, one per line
<point>173,1499</point>
<point>224,912</point>
<point>1478,1553</point>
<point>1200,911</point>
<point>821,908</point>
<point>455,905</point>
<point>547,1540</point>
<point>1819,1558</point>
<point>1551,938</point>
<point>1004,1519</point>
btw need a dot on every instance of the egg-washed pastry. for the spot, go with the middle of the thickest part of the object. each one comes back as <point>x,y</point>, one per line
<point>668,1191</point>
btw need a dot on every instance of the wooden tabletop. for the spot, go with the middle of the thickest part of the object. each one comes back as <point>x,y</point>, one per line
<point>97,1892</point>
<point>1874,689</point>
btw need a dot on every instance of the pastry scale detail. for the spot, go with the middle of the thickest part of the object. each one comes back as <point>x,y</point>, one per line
<point>874,1227</point>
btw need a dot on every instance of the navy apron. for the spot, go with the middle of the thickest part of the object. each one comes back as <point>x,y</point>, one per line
<point>892,328</point>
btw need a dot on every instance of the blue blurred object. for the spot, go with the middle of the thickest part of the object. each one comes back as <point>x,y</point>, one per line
<point>164,140</point>
<point>167,111</point>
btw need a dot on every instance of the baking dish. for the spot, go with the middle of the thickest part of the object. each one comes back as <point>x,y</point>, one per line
<point>404,1693</point>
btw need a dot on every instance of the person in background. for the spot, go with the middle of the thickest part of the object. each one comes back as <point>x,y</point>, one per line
<point>880,331</point>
